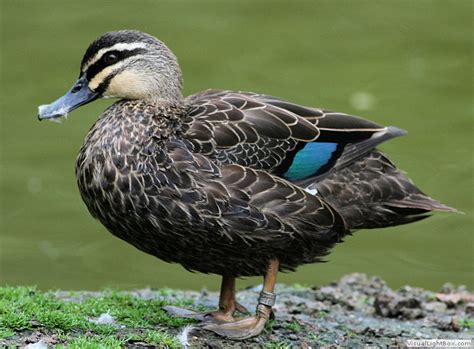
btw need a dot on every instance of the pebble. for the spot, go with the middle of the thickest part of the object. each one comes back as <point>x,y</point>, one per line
<point>38,345</point>
<point>435,307</point>
<point>470,309</point>
<point>146,293</point>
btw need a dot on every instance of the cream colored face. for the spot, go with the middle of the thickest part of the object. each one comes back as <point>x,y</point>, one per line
<point>128,84</point>
<point>122,83</point>
<point>111,70</point>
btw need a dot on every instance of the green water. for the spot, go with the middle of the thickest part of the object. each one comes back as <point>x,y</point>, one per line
<point>404,63</point>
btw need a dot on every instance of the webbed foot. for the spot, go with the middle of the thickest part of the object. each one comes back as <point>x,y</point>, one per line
<point>223,322</point>
<point>254,325</point>
<point>218,316</point>
<point>240,329</point>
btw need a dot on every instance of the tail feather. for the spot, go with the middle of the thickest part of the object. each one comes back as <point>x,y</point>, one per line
<point>372,193</point>
<point>424,203</point>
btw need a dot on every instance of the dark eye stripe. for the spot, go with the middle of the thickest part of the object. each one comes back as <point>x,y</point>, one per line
<point>98,66</point>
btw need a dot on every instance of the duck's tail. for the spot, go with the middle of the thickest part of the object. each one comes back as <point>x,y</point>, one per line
<point>373,193</point>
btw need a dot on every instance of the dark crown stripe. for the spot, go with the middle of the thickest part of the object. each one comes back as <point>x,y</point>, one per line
<point>118,37</point>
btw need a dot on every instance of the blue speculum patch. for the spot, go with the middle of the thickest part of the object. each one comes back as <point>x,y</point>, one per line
<point>309,160</point>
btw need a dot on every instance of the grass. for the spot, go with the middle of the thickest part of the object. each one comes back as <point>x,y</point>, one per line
<point>26,308</point>
<point>278,345</point>
<point>323,314</point>
<point>156,338</point>
<point>467,323</point>
<point>94,342</point>
<point>319,340</point>
<point>293,326</point>
<point>6,332</point>
<point>299,286</point>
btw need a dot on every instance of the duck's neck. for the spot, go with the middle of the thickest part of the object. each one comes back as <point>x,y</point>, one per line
<point>138,126</point>
<point>147,118</point>
<point>164,98</point>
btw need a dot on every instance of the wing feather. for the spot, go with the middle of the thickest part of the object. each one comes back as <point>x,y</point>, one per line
<point>265,132</point>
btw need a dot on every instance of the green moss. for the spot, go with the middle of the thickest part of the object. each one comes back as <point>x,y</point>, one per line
<point>293,326</point>
<point>157,338</point>
<point>94,342</point>
<point>299,286</point>
<point>319,340</point>
<point>467,323</point>
<point>278,345</point>
<point>24,308</point>
<point>269,326</point>
<point>6,332</point>
<point>323,314</point>
<point>364,300</point>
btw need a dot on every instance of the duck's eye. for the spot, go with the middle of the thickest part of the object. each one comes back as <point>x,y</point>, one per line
<point>110,58</point>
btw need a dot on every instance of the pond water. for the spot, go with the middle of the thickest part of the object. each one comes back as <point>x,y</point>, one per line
<point>407,65</point>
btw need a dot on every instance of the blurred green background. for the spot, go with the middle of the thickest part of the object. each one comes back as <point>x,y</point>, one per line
<point>404,63</point>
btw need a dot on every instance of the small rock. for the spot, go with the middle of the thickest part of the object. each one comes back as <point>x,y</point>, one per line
<point>452,299</point>
<point>354,279</point>
<point>470,309</point>
<point>292,337</point>
<point>446,323</point>
<point>435,307</point>
<point>456,324</point>
<point>214,344</point>
<point>38,345</point>
<point>390,304</point>
<point>447,288</point>
<point>367,331</point>
<point>313,307</point>
<point>34,337</point>
<point>145,293</point>
<point>411,314</point>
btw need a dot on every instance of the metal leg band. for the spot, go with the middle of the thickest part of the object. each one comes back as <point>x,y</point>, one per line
<point>267,298</point>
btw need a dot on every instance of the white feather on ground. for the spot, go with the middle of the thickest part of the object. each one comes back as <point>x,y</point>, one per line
<point>183,335</point>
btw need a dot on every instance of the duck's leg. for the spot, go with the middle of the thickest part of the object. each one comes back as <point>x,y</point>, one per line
<point>227,306</point>
<point>252,326</point>
<point>227,302</point>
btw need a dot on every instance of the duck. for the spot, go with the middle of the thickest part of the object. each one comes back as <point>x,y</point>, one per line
<point>226,182</point>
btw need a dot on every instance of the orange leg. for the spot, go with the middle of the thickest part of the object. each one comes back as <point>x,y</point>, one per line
<point>252,326</point>
<point>227,306</point>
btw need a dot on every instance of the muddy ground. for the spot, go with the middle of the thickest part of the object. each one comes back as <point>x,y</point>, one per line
<point>355,311</point>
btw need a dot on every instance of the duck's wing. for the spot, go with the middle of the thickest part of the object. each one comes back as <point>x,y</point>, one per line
<point>263,132</point>
<point>305,213</point>
<point>264,215</point>
<point>249,215</point>
<point>243,199</point>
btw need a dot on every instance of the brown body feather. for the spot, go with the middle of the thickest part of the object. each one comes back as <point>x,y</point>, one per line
<point>138,177</point>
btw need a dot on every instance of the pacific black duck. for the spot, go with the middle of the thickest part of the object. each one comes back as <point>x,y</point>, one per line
<point>225,182</point>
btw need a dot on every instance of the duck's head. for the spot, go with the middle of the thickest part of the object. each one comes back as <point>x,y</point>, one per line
<point>126,64</point>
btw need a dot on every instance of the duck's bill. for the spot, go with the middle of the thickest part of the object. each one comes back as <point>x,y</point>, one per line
<point>78,95</point>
